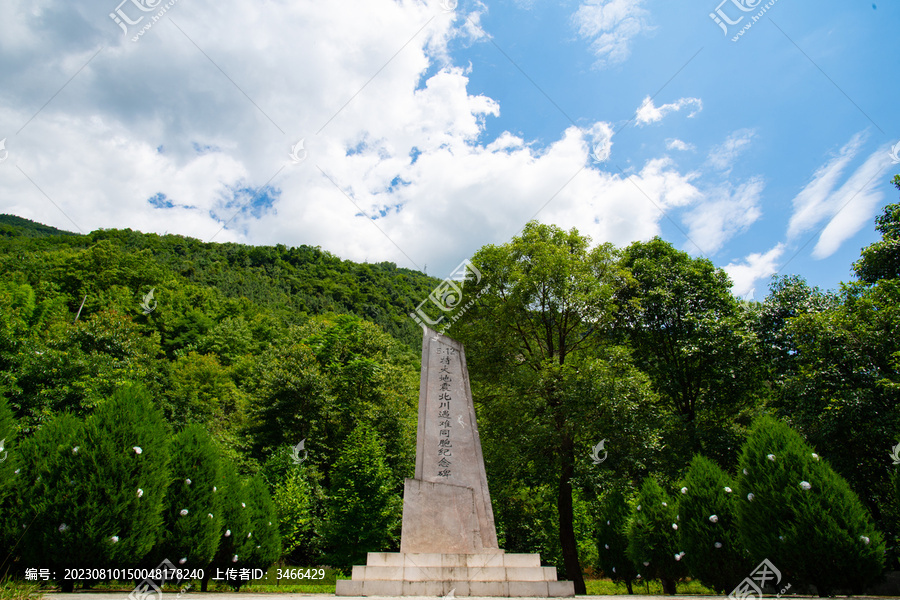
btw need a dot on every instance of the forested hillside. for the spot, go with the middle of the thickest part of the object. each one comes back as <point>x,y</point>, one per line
<point>241,353</point>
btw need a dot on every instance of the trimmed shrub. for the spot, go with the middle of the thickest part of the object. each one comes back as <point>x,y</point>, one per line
<point>653,537</point>
<point>708,533</point>
<point>802,516</point>
<point>612,543</point>
<point>190,540</point>
<point>362,511</point>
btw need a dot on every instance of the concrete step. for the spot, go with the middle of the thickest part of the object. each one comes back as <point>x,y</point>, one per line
<point>485,559</point>
<point>509,589</point>
<point>416,573</point>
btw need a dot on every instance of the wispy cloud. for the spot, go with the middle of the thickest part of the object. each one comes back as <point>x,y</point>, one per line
<point>611,25</point>
<point>648,113</point>
<point>723,156</point>
<point>811,204</point>
<point>756,266</point>
<point>846,209</point>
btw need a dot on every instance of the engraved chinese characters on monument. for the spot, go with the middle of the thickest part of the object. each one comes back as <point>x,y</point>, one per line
<point>449,465</point>
<point>448,543</point>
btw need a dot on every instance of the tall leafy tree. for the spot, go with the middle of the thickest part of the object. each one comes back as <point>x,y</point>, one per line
<point>545,307</point>
<point>689,334</point>
<point>881,260</point>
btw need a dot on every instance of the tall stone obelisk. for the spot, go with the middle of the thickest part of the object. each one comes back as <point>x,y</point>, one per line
<point>448,540</point>
<point>449,464</point>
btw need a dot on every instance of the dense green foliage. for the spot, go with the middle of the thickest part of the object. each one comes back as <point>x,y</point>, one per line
<point>241,353</point>
<point>363,508</point>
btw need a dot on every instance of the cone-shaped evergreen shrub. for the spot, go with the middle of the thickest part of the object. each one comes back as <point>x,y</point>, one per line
<point>803,516</point>
<point>612,543</point>
<point>97,490</point>
<point>265,546</point>
<point>46,499</point>
<point>122,469</point>
<point>190,540</point>
<point>707,507</point>
<point>234,544</point>
<point>363,511</point>
<point>653,537</point>
<point>7,440</point>
<point>9,462</point>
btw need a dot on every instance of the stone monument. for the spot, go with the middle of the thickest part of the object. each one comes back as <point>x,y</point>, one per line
<point>448,541</point>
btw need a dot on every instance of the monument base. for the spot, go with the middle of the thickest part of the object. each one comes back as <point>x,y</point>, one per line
<point>483,574</point>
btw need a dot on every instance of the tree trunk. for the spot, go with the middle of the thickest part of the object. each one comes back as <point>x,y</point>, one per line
<point>668,587</point>
<point>567,519</point>
<point>628,585</point>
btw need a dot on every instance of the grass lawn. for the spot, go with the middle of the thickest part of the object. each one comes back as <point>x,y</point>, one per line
<point>605,587</point>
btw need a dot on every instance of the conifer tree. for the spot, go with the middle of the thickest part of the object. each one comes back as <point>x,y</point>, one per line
<point>265,540</point>
<point>801,515</point>
<point>45,498</point>
<point>612,543</point>
<point>8,464</point>
<point>708,528</point>
<point>99,492</point>
<point>192,516</point>
<point>653,537</point>
<point>234,543</point>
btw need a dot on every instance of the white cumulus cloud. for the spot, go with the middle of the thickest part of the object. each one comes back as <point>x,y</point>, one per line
<point>756,266</point>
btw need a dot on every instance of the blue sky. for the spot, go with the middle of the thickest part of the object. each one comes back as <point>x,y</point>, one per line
<point>432,128</point>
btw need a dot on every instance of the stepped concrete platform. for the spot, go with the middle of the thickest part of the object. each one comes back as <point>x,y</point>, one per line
<point>432,574</point>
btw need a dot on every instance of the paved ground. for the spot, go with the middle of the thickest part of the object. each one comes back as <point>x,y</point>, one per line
<point>242,596</point>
